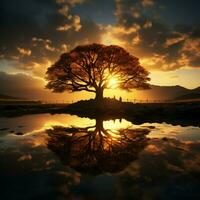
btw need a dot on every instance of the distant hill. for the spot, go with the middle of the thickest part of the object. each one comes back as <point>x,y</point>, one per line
<point>155,93</point>
<point>11,100</point>
<point>196,90</point>
<point>160,92</point>
<point>188,96</point>
<point>25,87</point>
<point>165,93</point>
<point>7,97</point>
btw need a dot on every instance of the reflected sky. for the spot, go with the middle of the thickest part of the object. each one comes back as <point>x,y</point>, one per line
<point>79,158</point>
<point>29,124</point>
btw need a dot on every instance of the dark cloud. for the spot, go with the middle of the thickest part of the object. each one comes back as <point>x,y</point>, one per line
<point>161,46</point>
<point>195,62</point>
<point>21,21</point>
<point>35,32</point>
<point>30,31</point>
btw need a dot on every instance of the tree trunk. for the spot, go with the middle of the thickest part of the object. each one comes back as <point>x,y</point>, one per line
<point>99,125</point>
<point>99,94</point>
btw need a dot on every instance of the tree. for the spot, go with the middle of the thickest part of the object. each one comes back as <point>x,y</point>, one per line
<point>91,67</point>
<point>95,148</point>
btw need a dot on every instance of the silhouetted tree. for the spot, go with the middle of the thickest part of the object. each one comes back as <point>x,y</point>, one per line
<point>89,68</point>
<point>95,149</point>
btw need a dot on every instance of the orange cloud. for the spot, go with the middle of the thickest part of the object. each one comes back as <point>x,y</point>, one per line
<point>147,3</point>
<point>23,51</point>
<point>74,23</point>
<point>171,41</point>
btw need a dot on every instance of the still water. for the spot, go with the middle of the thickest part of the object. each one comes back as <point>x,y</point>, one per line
<point>61,156</point>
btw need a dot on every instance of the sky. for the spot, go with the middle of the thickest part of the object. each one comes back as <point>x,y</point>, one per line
<point>164,35</point>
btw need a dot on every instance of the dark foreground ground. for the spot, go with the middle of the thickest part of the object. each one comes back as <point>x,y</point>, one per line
<point>184,113</point>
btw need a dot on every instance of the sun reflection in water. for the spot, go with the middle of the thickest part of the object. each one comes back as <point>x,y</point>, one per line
<point>116,124</point>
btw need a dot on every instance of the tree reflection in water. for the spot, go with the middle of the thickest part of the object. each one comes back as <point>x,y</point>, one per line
<point>94,149</point>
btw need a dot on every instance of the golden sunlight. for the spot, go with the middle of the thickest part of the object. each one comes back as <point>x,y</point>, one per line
<point>113,83</point>
<point>109,39</point>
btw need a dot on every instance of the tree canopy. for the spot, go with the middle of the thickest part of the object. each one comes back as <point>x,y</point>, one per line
<point>95,148</point>
<point>92,67</point>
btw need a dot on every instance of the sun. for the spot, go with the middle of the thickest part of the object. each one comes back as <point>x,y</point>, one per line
<point>113,83</point>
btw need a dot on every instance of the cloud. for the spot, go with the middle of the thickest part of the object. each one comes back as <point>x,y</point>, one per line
<point>29,19</point>
<point>64,10</point>
<point>65,47</point>
<point>44,43</point>
<point>176,38</point>
<point>24,52</point>
<point>136,40</point>
<point>38,41</point>
<point>70,2</point>
<point>147,3</point>
<point>74,24</point>
<point>159,46</point>
<point>191,46</point>
<point>65,27</point>
<point>24,157</point>
<point>72,21</point>
<point>46,28</point>
<point>147,24</point>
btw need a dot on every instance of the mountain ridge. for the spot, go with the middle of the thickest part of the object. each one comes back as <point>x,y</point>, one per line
<point>156,92</point>
<point>9,97</point>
